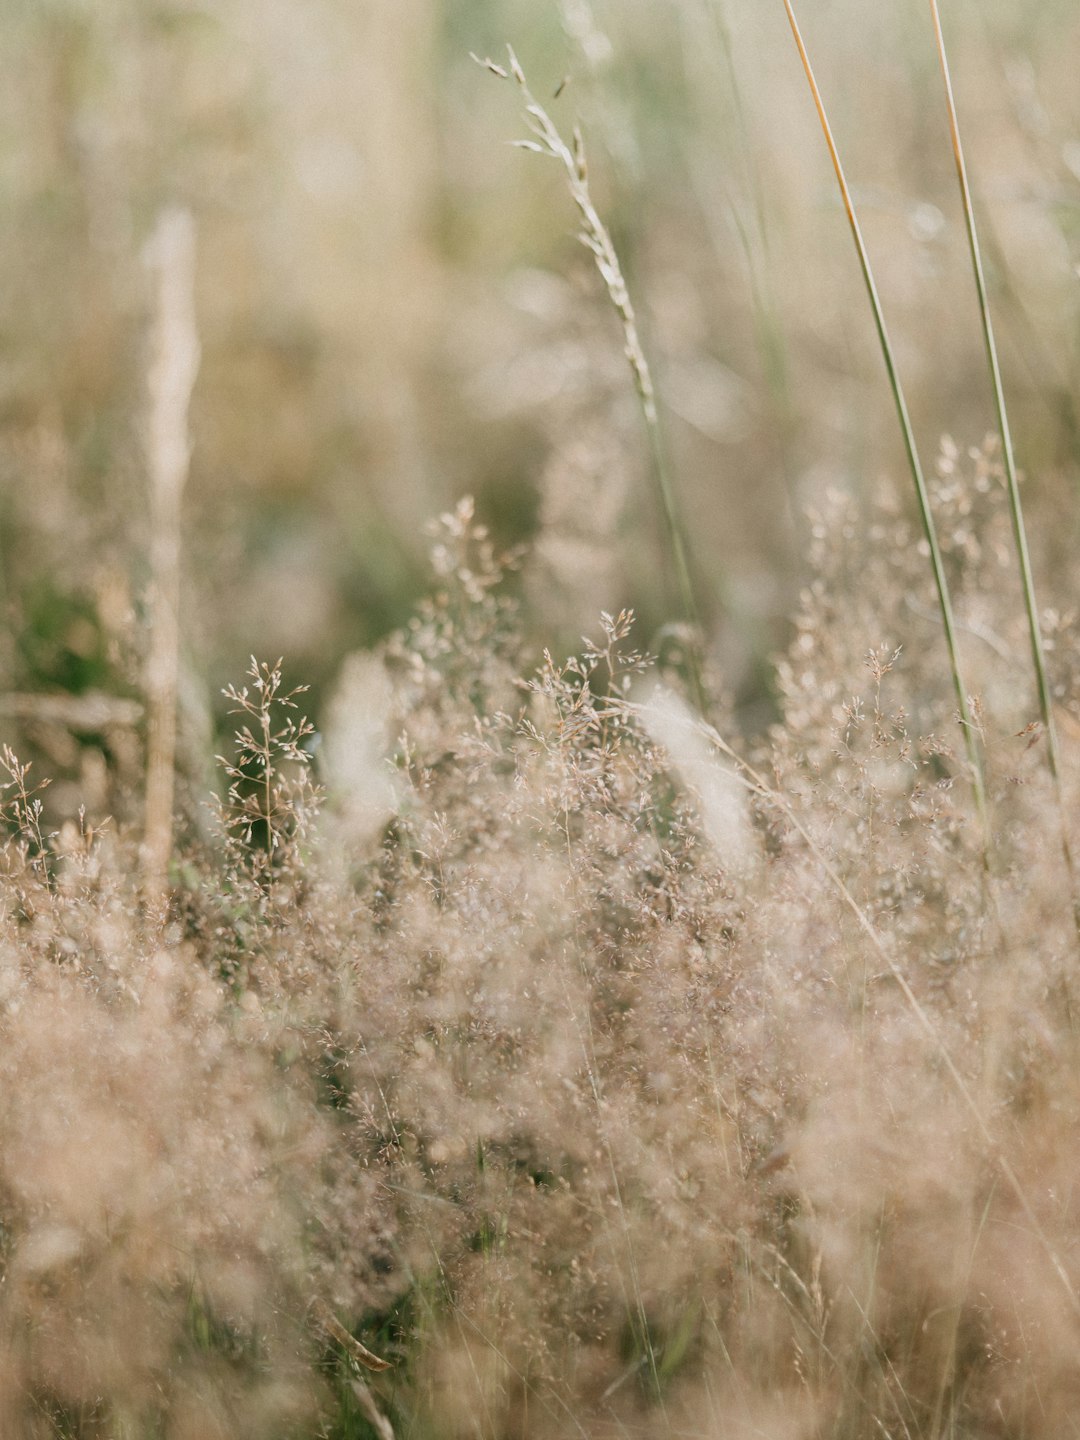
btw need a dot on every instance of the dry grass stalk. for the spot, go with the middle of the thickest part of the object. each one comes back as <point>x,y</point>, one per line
<point>332,1326</point>
<point>174,364</point>
<point>596,238</point>
<point>93,710</point>
<point>370,1410</point>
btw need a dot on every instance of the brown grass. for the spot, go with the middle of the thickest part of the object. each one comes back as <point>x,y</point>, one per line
<point>509,1053</point>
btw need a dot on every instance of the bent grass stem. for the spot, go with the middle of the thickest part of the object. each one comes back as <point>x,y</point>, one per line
<point>596,238</point>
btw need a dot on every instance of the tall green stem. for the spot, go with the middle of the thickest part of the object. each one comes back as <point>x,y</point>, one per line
<point>925,513</point>
<point>1038,657</point>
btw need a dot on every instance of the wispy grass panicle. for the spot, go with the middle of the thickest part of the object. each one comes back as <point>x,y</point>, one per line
<point>271,799</point>
<point>595,236</point>
<point>744,773</point>
<point>1027,579</point>
<point>967,720</point>
<point>21,808</point>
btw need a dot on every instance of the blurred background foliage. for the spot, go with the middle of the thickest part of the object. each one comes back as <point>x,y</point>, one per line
<point>394,309</point>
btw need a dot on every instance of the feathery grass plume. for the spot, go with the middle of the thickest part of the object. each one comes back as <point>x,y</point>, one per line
<point>156,1166</point>
<point>21,805</point>
<point>967,721</point>
<point>174,364</point>
<point>725,813</point>
<point>676,1120</point>
<point>666,719</point>
<point>1027,580</point>
<point>597,239</point>
<point>271,801</point>
<point>611,1088</point>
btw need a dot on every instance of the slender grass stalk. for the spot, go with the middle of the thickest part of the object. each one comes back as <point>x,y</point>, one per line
<point>914,464</point>
<point>1038,657</point>
<point>752,230</point>
<point>755,244</point>
<point>174,364</point>
<point>597,239</point>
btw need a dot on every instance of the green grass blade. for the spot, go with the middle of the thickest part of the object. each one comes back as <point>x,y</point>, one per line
<point>1038,656</point>
<point>925,513</point>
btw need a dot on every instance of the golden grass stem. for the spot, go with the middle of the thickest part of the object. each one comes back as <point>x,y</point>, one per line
<point>925,514</point>
<point>1038,656</point>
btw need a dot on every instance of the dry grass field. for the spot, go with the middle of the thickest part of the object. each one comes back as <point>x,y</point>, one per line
<point>617,975</point>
